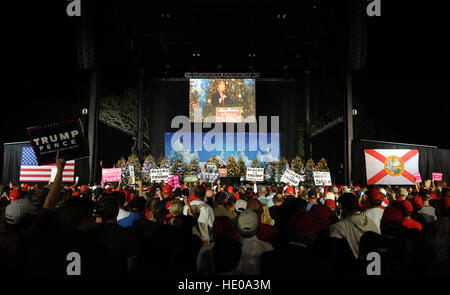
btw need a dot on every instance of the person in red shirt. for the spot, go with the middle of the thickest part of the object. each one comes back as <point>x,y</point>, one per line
<point>407,210</point>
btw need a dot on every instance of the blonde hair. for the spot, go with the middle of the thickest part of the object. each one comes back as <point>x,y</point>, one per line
<point>265,216</point>
<point>176,208</point>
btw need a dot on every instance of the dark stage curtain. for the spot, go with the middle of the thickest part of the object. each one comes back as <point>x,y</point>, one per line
<point>12,157</point>
<point>430,159</point>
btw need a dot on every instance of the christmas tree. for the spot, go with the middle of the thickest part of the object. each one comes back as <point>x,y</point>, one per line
<point>232,168</point>
<point>214,160</point>
<point>122,163</point>
<point>164,163</point>
<point>133,161</point>
<point>309,175</point>
<point>242,169</point>
<point>149,163</point>
<point>178,168</point>
<point>256,163</point>
<point>322,166</point>
<point>270,171</point>
<point>281,167</point>
<point>297,165</point>
<point>193,168</point>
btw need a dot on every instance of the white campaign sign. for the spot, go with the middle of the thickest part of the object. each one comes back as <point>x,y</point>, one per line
<point>211,166</point>
<point>255,174</point>
<point>159,174</point>
<point>291,178</point>
<point>322,178</point>
<point>133,179</point>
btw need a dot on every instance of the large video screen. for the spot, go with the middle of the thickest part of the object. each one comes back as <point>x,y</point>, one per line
<point>222,100</point>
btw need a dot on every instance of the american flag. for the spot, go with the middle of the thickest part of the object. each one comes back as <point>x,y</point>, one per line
<point>31,172</point>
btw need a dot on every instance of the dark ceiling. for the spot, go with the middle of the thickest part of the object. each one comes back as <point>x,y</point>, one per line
<point>271,37</point>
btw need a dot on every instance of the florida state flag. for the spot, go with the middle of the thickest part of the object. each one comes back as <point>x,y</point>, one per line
<point>385,166</point>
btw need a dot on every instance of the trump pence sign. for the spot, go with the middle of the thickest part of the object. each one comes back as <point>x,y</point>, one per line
<point>66,137</point>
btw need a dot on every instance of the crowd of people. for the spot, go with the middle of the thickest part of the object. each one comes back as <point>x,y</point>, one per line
<point>209,229</point>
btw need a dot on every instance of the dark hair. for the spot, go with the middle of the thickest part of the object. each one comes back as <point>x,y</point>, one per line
<point>220,198</point>
<point>74,210</point>
<point>278,198</point>
<point>178,192</point>
<point>138,204</point>
<point>120,197</point>
<point>312,193</point>
<point>200,192</point>
<point>349,201</point>
<point>425,194</point>
<point>107,207</point>
<point>226,254</point>
<point>185,192</point>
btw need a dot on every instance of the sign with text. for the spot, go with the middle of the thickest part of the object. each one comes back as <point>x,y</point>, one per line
<point>211,166</point>
<point>223,172</point>
<point>173,181</point>
<point>291,178</point>
<point>417,177</point>
<point>111,175</point>
<point>322,178</point>
<point>190,178</point>
<point>66,137</point>
<point>437,176</point>
<point>228,114</point>
<point>255,174</point>
<point>159,174</point>
<point>210,176</point>
<point>133,179</point>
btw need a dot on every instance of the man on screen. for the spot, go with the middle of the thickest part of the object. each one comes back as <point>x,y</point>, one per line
<point>221,98</point>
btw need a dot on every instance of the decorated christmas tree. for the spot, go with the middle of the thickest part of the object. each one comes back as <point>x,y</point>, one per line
<point>322,166</point>
<point>178,168</point>
<point>242,169</point>
<point>281,167</point>
<point>193,168</point>
<point>309,176</point>
<point>214,160</point>
<point>122,163</point>
<point>256,163</point>
<point>149,163</point>
<point>232,167</point>
<point>164,163</point>
<point>270,171</point>
<point>133,161</point>
<point>297,165</point>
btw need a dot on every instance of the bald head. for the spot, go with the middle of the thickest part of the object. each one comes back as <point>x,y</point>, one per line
<point>209,194</point>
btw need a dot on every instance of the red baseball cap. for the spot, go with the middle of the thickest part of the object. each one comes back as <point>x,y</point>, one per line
<point>76,194</point>
<point>330,203</point>
<point>83,188</point>
<point>15,194</point>
<point>392,217</point>
<point>109,190</point>
<point>230,188</point>
<point>322,214</point>
<point>303,222</point>
<point>25,186</point>
<point>167,189</point>
<point>417,202</point>
<point>290,190</point>
<point>375,196</point>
